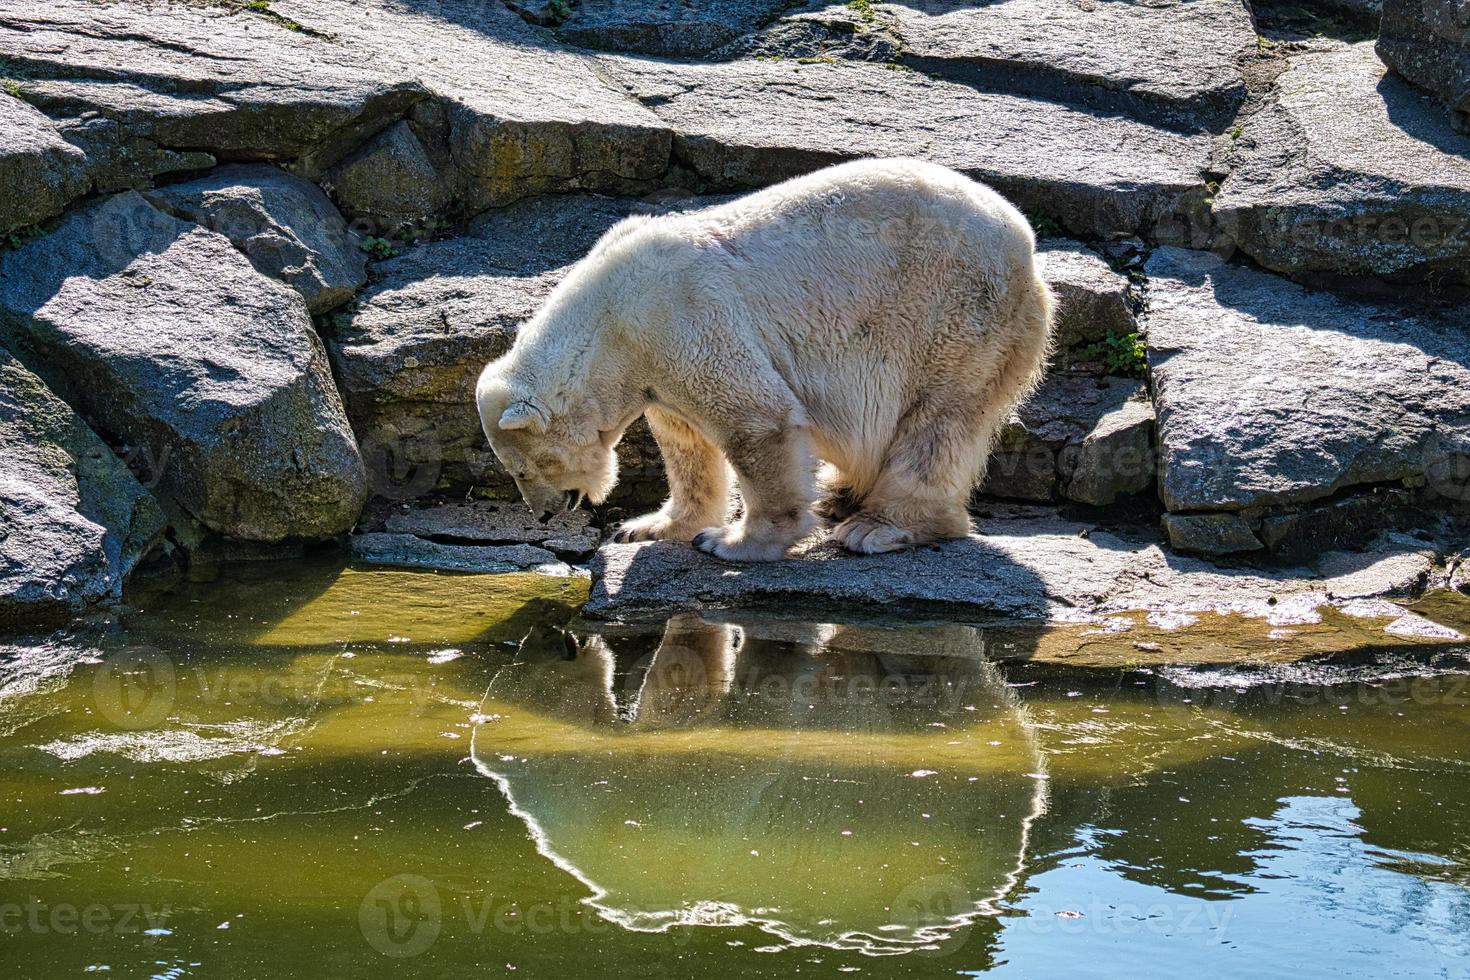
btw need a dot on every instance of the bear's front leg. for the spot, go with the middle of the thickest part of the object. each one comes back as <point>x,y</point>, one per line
<point>775,469</point>
<point>699,483</point>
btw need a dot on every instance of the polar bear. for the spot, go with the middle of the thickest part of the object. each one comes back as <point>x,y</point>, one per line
<point>849,342</point>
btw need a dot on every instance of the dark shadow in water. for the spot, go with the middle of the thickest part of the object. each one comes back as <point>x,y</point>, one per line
<point>849,786</point>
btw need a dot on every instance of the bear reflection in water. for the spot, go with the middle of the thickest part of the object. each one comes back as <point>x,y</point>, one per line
<point>858,787</point>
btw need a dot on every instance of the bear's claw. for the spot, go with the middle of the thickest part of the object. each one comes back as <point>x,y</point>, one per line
<point>869,536</point>
<point>718,542</point>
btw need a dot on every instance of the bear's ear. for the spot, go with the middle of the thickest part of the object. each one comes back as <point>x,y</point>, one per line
<point>523,415</point>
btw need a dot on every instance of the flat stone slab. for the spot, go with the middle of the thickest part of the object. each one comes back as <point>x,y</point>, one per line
<point>197,76</point>
<point>167,340</point>
<point>1169,62</point>
<point>74,522</point>
<point>748,123</point>
<point>1349,172</point>
<point>1043,568</point>
<point>409,551</point>
<point>1268,393</point>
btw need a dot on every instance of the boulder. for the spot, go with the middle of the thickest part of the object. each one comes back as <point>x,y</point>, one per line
<point>74,522</point>
<point>168,341</point>
<point>1173,62</point>
<point>120,153</point>
<point>1349,175</point>
<point>40,173</point>
<point>408,551</point>
<point>670,30</point>
<point>284,225</point>
<point>1270,394</point>
<point>408,353</point>
<point>1080,437</point>
<point>748,123</point>
<point>1115,458</point>
<point>390,183</point>
<point>1428,42</point>
<point>1092,300</point>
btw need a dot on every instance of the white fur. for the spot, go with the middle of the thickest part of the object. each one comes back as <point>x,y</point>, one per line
<point>882,317</point>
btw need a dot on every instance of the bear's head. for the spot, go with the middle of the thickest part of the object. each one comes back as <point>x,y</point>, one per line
<point>556,458</point>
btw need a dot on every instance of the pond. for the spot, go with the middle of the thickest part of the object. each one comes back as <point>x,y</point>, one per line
<point>324,771</point>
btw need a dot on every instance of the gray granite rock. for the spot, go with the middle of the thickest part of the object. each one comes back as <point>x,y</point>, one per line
<point>748,123</point>
<point>1174,62</point>
<point>168,341</point>
<point>1350,175</point>
<point>120,155</point>
<point>284,225</point>
<point>40,173</point>
<point>1092,300</point>
<point>73,521</point>
<point>1080,437</point>
<point>1428,42</point>
<point>1211,534</point>
<point>1115,459</point>
<point>408,551</point>
<point>823,31</point>
<point>390,183</point>
<point>509,115</point>
<point>1271,394</point>
<point>1034,567</point>
<point>671,30</point>
<point>200,77</point>
<point>517,116</point>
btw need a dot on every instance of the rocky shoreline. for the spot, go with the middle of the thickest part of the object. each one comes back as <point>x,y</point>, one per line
<point>254,255</point>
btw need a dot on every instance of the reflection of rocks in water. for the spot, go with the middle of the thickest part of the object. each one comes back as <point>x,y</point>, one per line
<point>849,786</point>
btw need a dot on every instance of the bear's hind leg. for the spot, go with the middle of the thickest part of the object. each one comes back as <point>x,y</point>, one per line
<point>922,492</point>
<point>699,483</point>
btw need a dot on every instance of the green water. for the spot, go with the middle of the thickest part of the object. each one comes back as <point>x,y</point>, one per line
<point>321,772</point>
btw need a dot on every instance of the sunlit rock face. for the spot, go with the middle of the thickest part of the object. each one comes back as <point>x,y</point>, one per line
<point>852,787</point>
